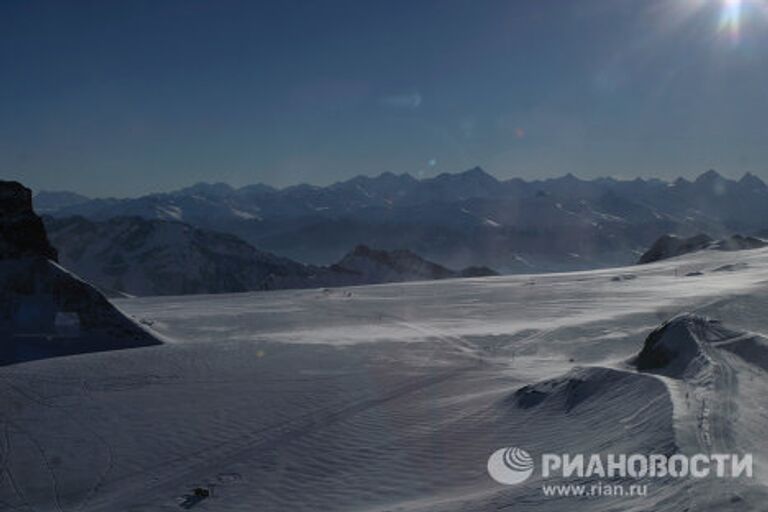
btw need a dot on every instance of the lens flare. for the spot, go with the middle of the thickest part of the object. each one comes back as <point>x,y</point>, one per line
<point>730,19</point>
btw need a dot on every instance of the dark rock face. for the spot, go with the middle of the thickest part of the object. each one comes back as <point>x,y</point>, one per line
<point>669,246</point>
<point>400,265</point>
<point>364,260</point>
<point>21,231</point>
<point>45,310</point>
<point>690,346</point>
<point>674,345</point>
<point>682,346</point>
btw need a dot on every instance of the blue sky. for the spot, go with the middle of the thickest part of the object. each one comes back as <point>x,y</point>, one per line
<point>123,98</point>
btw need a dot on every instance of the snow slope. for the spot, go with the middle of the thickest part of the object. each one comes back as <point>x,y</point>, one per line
<point>392,397</point>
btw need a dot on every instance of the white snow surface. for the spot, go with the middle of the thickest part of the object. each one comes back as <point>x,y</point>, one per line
<point>392,397</point>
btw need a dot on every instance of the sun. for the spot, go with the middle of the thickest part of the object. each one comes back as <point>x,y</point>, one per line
<point>735,20</point>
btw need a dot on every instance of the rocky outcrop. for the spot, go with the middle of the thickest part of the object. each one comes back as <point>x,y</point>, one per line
<point>21,231</point>
<point>44,309</point>
<point>374,265</point>
<point>690,347</point>
<point>670,246</point>
<point>380,265</point>
<point>678,345</point>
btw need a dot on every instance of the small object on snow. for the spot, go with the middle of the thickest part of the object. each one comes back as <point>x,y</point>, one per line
<point>198,494</point>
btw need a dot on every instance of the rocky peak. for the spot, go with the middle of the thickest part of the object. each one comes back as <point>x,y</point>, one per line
<point>21,230</point>
<point>711,176</point>
<point>669,246</point>
<point>751,181</point>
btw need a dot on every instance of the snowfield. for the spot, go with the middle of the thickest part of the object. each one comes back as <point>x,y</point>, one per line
<point>392,397</point>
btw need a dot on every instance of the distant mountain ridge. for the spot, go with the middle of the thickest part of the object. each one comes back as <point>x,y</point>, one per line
<point>458,220</point>
<point>46,201</point>
<point>388,266</point>
<point>137,256</point>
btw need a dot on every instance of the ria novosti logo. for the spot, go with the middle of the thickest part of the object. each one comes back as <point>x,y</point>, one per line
<point>512,465</point>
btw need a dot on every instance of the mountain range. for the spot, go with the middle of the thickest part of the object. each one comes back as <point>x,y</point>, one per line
<point>138,256</point>
<point>457,220</point>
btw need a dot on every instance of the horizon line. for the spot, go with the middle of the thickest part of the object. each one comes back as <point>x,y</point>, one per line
<point>619,178</point>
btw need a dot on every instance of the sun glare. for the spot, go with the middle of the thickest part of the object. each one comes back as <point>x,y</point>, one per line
<point>730,19</point>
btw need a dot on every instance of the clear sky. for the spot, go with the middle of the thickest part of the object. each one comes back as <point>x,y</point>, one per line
<point>127,97</point>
